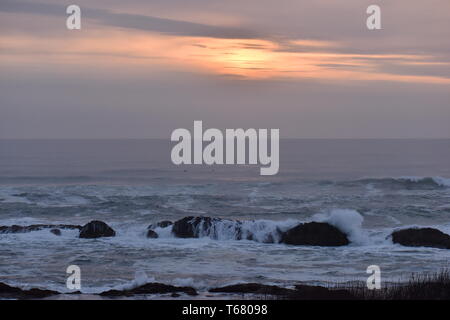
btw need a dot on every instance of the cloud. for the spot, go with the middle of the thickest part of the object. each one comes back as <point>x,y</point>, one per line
<point>132,21</point>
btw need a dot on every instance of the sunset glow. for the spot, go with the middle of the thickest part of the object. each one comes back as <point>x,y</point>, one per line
<point>243,58</point>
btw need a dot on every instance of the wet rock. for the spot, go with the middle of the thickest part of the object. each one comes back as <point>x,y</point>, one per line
<point>36,227</point>
<point>56,232</point>
<point>192,227</point>
<point>164,224</point>
<point>422,237</point>
<point>9,292</point>
<point>315,234</point>
<point>196,227</point>
<point>152,234</point>
<point>160,224</point>
<point>151,288</point>
<point>96,229</point>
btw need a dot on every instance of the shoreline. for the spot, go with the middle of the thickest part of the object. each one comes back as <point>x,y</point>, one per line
<point>422,286</point>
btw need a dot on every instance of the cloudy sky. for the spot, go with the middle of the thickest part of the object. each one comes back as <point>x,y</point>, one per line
<point>140,69</point>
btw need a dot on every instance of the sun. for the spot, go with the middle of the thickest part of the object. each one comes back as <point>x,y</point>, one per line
<point>246,58</point>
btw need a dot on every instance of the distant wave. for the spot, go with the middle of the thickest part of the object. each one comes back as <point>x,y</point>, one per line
<point>404,182</point>
<point>47,178</point>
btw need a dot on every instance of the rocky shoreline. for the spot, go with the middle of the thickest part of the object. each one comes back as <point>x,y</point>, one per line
<point>420,287</point>
<point>308,233</point>
<point>321,234</point>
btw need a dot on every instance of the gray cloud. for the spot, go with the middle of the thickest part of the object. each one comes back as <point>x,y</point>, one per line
<point>45,100</point>
<point>131,21</point>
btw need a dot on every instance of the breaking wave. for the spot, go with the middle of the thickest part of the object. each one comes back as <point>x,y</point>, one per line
<point>268,231</point>
<point>404,182</point>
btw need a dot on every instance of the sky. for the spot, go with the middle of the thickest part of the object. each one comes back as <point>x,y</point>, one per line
<point>140,69</point>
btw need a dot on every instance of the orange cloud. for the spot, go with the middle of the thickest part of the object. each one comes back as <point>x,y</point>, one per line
<point>244,58</point>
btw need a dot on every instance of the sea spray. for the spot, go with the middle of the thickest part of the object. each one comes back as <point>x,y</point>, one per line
<point>348,221</point>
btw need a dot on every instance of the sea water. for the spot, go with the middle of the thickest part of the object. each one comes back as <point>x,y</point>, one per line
<point>366,188</point>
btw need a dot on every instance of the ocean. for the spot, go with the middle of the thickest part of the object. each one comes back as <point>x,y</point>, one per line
<point>367,188</point>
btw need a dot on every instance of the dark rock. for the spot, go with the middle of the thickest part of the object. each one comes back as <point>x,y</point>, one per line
<point>164,224</point>
<point>152,234</point>
<point>195,227</point>
<point>174,295</point>
<point>301,292</point>
<point>7,291</point>
<point>56,232</point>
<point>151,288</point>
<point>96,229</point>
<point>315,234</point>
<point>422,237</point>
<point>36,227</point>
<point>160,224</point>
<point>255,288</point>
<point>192,227</point>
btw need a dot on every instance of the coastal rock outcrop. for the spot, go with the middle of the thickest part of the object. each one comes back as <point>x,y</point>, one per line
<point>151,288</point>
<point>96,229</point>
<point>193,227</point>
<point>301,292</point>
<point>315,234</point>
<point>421,237</point>
<point>215,228</point>
<point>9,292</point>
<point>254,288</point>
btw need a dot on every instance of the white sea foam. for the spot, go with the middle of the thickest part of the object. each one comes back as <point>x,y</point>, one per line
<point>140,278</point>
<point>348,221</point>
<point>445,182</point>
<point>257,230</point>
<point>440,181</point>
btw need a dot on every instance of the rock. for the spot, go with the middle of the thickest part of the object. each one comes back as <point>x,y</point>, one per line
<point>195,227</point>
<point>9,292</point>
<point>301,292</point>
<point>315,234</point>
<point>151,288</point>
<point>160,224</point>
<point>164,224</point>
<point>56,232</point>
<point>254,288</point>
<point>192,227</point>
<point>96,229</point>
<point>422,237</point>
<point>36,227</point>
<point>152,234</point>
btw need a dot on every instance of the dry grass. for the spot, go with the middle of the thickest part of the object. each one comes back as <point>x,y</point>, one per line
<point>423,286</point>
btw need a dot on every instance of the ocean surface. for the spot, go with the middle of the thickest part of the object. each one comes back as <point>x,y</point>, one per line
<point>367,188</point>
